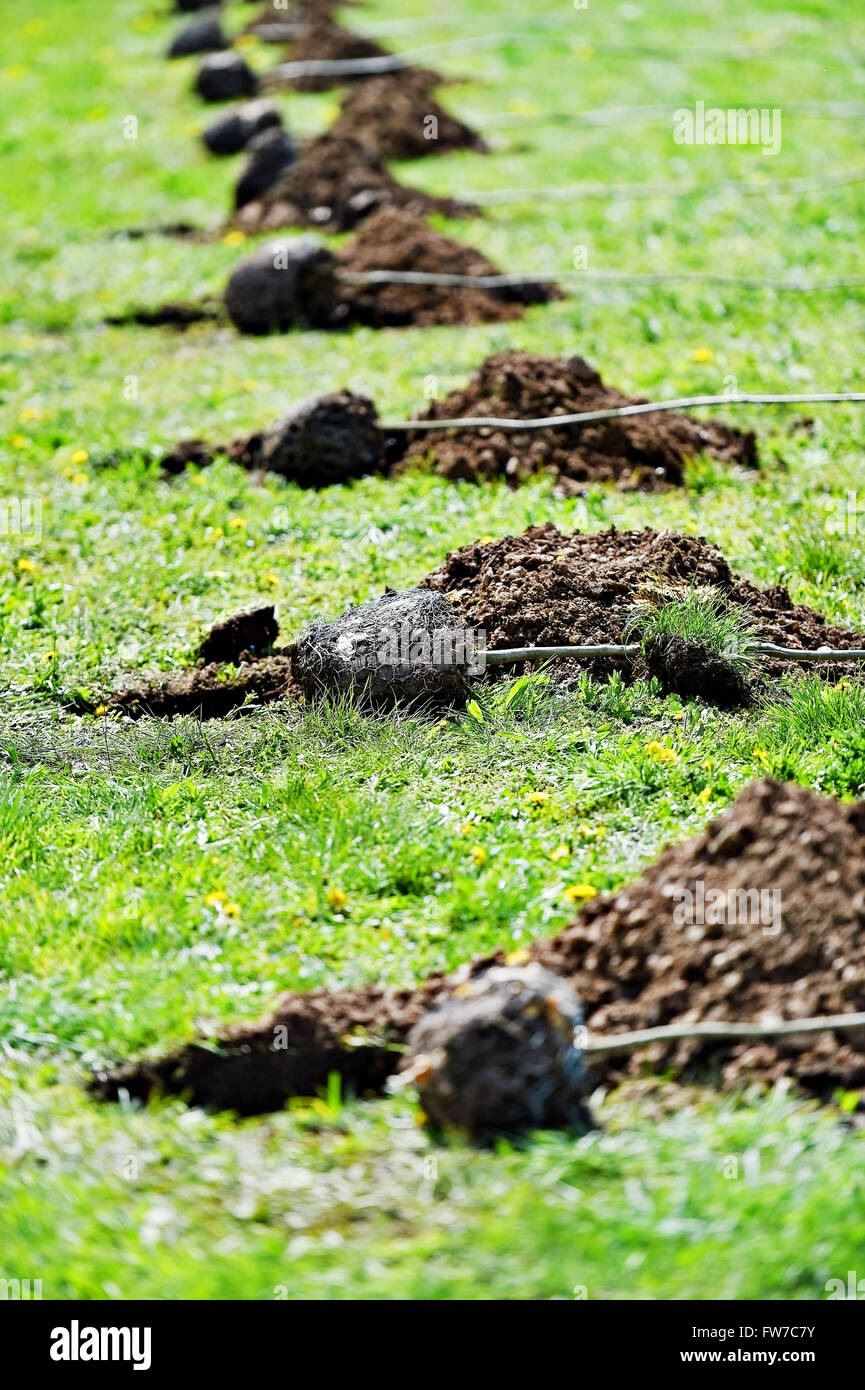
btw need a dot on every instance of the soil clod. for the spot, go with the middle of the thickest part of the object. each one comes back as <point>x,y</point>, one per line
<point>324,39</point>
<point>252,633</point>
<point>690,669</point>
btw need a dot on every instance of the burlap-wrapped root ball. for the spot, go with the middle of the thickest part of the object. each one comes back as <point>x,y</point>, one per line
<point>203,35</point>
<point>501,1056</point>
<point>271,152</point>
<point>225,77</point>
<point>325,440</point>
<point>412,649</point>
<point>231,133</point>
<point>283,284</point>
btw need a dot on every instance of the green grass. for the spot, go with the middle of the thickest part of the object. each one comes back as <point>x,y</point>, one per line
<point>154,876</point>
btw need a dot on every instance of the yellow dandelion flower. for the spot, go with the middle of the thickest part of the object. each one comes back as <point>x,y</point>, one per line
<point>702,354</point>
<point>704,796</point>
<point>79,479</point>
<point>216,897</point>
<point>661,753</point>
<point>237,523</point>
<point>101,709</point>
<point>235,237</point>
<point>249,384</point>
<point>231,909</point>
<point>538,798</point>
<point>19,441</point>
<point>479,856</point>
<point>26,565</point>
<point>80,456</point>
<point>271,579</point>
<point>580,892</point>
<point>518,957</point>
<point>336,899</point>
<point>466,828</point>
<point>560,852</point>
<point>762,756</point>
<point>29,413</point>
<point>216,533</point>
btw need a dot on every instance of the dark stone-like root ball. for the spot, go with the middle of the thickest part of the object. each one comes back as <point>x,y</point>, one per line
<point>501,1055</point>
<point>225,77</point>
<point>325,440</point>
<point>406,649</point>
<point>283,284</point>
<point>691,670</point>
<point>231,133</point>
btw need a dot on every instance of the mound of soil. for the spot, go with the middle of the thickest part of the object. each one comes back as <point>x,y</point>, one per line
<point>544,588</point>
<point>760,918</point>
<point>692,940</point>
<point>323,38</point>
<point>395,239</point>
<point>645,452</point>
<point>335,184</point>
<point>395,116</point>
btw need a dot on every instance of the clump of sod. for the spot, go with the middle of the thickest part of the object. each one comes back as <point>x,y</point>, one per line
<point>695,642</point>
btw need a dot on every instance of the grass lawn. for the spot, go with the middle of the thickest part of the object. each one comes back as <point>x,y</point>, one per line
<point>156,875</point>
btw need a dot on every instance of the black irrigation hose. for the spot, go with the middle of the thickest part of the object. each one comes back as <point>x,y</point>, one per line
<point>623,411</point>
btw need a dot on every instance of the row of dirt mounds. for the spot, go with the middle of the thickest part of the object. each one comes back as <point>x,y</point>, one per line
<point>546,588</point>
<point>643,451</point>
<point>759,918</point>
<point>336,183</point>
<point>395,117</point>
<point>237,664</point>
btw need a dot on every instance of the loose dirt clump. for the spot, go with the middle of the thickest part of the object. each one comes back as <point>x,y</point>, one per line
<point>544,588</point>
<point>395,117</point>
<point>644,452</point>
<point>690,669</point>
<point>395,239</point>
<point>208,692</point>
<point>244,634</point>
<point>758,919</point>
<point>334,185</point>
<point>233,670</point>
<point>324,39</point>
<point>180,314</point>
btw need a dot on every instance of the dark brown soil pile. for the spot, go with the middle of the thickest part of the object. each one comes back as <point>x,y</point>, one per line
<point>759,918</point>
<point>324,39</point>
<point>335,184</point>
<point>646,452</point>
<point>548,589</point>
<point>395,116</point>
<point>394,239</point>
<point>233,672</point>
